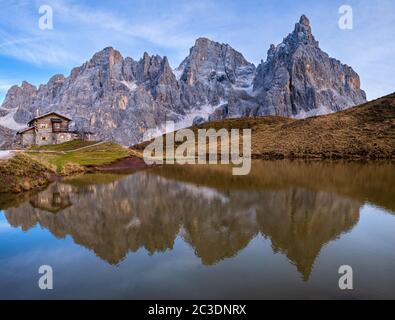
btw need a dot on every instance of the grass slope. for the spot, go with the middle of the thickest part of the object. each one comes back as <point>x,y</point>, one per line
<point>37,166</point>
<point>66,161</point>
<point>365,131</point>
<point>22,173</point>
<point>67,146</point>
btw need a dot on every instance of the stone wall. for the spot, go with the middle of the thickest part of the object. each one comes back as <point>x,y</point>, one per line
<point>62,137</point>
<point>27,138</point>
<point>43,138</point>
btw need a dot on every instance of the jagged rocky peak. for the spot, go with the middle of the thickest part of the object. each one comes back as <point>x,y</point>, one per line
<point>27,86</point>
<point>271,52</point>
<point>154,69</point>
<point>108,56</point>
<point>155,73</point>
<point>108,64</point>
<point>19,96</point>
<point>210,61</point>
<point>299,79</point>
<point>57,78</point>
<point>301,36</point>
<point>148,65</point>
<point>302,33</point>
<point>55,83</point>
<point>148,71</point>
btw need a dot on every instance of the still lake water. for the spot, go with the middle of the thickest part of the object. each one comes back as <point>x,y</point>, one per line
<point>180,232</point>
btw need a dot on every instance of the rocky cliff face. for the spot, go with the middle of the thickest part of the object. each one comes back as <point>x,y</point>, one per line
<point>299,79</point>
<point>6,138</point>
<point>216,69</point>
<point>116,98</point>
<point>119,98</point>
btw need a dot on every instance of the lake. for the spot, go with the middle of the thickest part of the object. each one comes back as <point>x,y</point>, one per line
<point>197,232</point>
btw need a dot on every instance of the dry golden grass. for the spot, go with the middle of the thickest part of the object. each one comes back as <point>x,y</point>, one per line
<point>366,131</point>
<point>31,169</point>
<point>22,173</point>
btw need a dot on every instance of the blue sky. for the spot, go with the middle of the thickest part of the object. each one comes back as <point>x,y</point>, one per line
<point>170,27</point>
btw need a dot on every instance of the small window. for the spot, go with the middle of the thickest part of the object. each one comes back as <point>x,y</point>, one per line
<point>43,126</point>
<point>44,138</point>
<point>57,125</point>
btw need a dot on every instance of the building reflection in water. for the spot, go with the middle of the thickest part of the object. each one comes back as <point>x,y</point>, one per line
<point>55,199</point>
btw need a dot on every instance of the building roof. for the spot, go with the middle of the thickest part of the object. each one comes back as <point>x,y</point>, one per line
<point>48,114</point>
<point>24,130</point>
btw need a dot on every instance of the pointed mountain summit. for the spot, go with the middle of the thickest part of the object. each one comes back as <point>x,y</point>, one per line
<point>210,61</point>
<point>214,79</point>
<point>299,79</point>
<point>302,33</point>
<point>18,96</point>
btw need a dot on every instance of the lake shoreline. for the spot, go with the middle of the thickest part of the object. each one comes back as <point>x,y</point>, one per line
<point>361,133</point>
<point>23,173</point>
<point>44,176</point>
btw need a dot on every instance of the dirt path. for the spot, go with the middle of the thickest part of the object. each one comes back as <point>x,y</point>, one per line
<point>67,151</point>
<point>87,147</point>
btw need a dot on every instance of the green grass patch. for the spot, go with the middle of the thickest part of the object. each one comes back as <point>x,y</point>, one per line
<point>66,146</point>
<point>98,155</point>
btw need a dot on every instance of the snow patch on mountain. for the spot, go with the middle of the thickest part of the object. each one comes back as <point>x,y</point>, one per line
<point>178,73</point>
<point>9,122</point>
<point>185,121</point>
<point>131,85</point>
<point>320,111</point>
<point>203,111</point>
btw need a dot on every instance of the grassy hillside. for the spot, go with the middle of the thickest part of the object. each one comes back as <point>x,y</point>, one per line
<point>38,166</point>
<point>22,173</point>
<point>63,159</point>
<point>365,131</point>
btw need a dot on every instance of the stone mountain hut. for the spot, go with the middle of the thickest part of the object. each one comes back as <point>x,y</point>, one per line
<point>49,128</point>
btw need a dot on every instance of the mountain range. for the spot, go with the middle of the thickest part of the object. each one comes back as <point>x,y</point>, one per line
<point>120,98</point>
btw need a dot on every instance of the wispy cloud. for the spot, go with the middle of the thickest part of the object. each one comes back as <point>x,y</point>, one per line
<point>166,31</point>
<point>78,29</point>
<point>170,28</point>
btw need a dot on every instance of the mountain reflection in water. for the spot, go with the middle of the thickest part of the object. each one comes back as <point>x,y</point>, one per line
<point>298,206</point>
